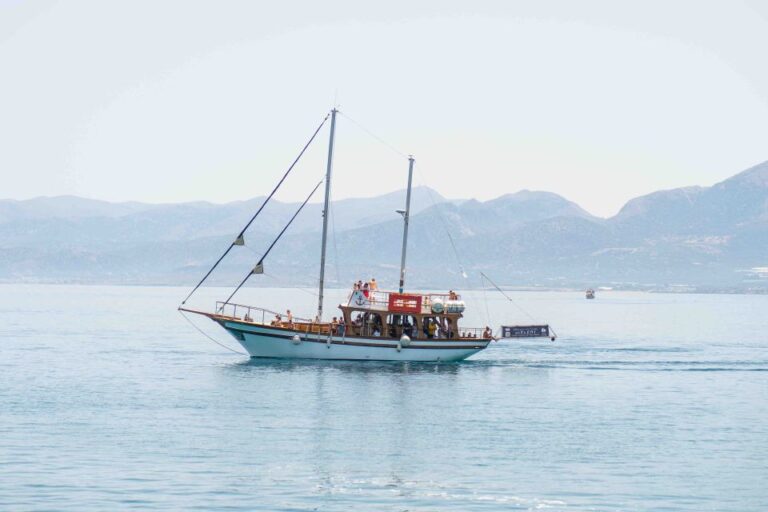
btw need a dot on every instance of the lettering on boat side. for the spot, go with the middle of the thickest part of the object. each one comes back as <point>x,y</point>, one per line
<point>403,303</point>
<point>524,331</point>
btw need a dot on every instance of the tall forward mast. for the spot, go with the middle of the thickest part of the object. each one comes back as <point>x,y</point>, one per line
<point>325,216</point>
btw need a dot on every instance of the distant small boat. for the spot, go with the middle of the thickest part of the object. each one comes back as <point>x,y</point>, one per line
<point>590,293</point>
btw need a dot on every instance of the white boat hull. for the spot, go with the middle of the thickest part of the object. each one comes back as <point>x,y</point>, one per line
<point>271,342</point>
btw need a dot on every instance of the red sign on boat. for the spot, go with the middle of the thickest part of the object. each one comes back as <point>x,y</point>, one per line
<point>402,303</point>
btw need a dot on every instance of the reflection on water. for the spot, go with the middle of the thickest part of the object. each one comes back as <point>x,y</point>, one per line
<point>351,367</point>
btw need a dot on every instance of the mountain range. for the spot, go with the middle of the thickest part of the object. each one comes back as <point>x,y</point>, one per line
<point>694,238</point>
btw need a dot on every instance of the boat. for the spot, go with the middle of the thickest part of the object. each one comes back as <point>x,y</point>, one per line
<point>590,293</point>
<point>374,324</point>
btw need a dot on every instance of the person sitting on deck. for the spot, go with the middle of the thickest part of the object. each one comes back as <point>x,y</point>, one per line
<point>376,332</point>
<point>487,333</point>
<point>277,320</point>
<point>452,295</point>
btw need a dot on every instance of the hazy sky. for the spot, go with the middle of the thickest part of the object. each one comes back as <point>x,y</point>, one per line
<point>168,101</point>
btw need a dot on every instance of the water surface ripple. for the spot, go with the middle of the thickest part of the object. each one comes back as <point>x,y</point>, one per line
<point>110,400</point>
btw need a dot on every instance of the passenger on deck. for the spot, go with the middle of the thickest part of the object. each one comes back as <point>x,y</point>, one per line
<point>452,295</point>
<point>342,327</point>
<point>289,318</point>
<point>372,285</point>
<point>277,320</point>
<point>356,286</point>
<point>334,325</point>
<point>408,328</point>
<point>366,288</point>
<point>487,333</point>
<point>376,332</point>
<point>431,328</point>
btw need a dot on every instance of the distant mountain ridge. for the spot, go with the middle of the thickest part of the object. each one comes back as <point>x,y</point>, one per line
<point>706,238</point>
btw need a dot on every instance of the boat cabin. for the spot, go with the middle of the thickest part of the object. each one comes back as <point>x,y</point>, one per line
<point>392,315</point>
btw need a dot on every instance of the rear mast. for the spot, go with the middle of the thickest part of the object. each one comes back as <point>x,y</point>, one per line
<point>406,219</point>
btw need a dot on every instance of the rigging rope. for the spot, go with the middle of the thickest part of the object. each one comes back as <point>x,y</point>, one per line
<point>508,297</point>
<point>445,226</point>
<point>261,260</point>
<point>209,337</point>
<point>277,279</point>
<point>373,135</point>
<point>485,300</point>
<point>239,239</point>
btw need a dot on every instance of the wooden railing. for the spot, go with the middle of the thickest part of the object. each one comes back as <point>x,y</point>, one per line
<point>252,313</point>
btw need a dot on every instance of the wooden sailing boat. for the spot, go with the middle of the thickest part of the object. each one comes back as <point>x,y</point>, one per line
<point>377,325</point>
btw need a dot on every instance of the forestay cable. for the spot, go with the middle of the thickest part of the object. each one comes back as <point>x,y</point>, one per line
<point>239,240</point>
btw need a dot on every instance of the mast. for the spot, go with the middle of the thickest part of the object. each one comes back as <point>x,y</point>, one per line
<point>406,219</point>
<point>325,215</point>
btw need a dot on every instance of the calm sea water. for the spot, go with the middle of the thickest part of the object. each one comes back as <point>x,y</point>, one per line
<point>109,399</point>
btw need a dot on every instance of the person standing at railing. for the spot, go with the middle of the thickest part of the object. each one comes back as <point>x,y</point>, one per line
<point>289,318</point>
<point>372,285</point>
<point>366,289</point>
<point>334,325</point>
